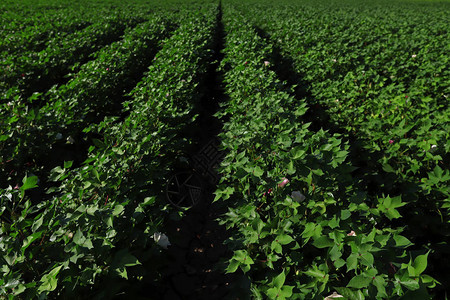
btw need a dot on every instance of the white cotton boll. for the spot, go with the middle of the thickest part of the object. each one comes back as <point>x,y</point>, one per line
<point>333,296</point>
<point>161,239</point>
<point>433,148</point>
<point>351,233</point>
<point>297,196</point>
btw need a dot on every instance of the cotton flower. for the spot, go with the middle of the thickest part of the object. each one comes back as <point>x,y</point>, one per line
<point>414,56</point>
<point>333,296</point>
<point>284,182</point>
<point>351,233</point>
<point>161,239</point>
<point>297,196</point>
<point>70,140</point>
<point>266,63</point>
<point>334,60</point>
<point>391,142</point>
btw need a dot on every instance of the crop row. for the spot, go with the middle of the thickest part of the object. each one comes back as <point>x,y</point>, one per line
<point>92,93</point>
<point>35,37</point>
<point>99,221</point>
<point>387,90</point>
<point>37,71</point>
<point>383,83</point>
<point>303,228</point>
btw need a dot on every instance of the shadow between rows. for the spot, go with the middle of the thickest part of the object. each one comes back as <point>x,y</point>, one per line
<point>195,262</point>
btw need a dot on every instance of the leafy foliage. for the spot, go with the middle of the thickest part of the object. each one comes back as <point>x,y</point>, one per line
<point>92,233</point>
<point>333,236</point>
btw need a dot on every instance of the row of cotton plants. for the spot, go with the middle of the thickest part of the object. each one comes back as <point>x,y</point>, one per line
<point>303,228</point>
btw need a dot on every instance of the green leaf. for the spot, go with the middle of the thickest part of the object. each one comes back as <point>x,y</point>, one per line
<point>284,239</point>
<point>279,291</point>
<point>257,171</point>
<point>224,194</point>
<point>286,291</point>
<point>122,259</point>
<point>429,281</point>
<point>68,164</point>
<point>335,253</point>
<point>148,201</point>
<point>79,238</point>
<point>318,172</point>
<point>401,241</point>
<point>243,257</point>
<point>29,183</point>
<point>37,224</point>
<point>233,266</point>
<point>410,284</point>
<point>49,281</point>
<point>297,153</point>
<point>359,282</point>
<point>127,259</point>
<point>275,246</point>
<point>339,263</point>
<point>273,293</point>
<point>279,280</point>
<point>118,209</point>
<point>367,259</point>
<point>380,283</point>
<point>30,239</point>
<point>349,294</point>
<point>418,266</point>
<point>388,206</point>
<point>10,259</point>
<point>283,293</point>
<point>315,273</point>
<point>95,173</point>
<point>291,169</point>
<point>352,262</point>
<point>388,168</point>
<point>323,242</point>
<point>88,244</point>
<point>345,214</point>
<point>333,223</point>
